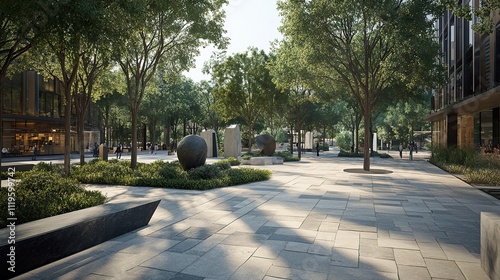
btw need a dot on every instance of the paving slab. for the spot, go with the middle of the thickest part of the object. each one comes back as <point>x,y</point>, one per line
<point>312,220</point>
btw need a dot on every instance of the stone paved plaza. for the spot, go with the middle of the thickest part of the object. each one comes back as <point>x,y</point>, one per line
<point>312,220</point>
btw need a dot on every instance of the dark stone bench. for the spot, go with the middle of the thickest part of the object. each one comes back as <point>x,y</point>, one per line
<point>47,240</point>
<point>490,244</point>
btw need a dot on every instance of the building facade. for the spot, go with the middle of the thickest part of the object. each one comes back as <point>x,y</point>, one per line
<point>466,112</point>
<point>33,114</point>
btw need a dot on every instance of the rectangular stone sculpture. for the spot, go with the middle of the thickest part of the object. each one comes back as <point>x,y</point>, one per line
<point>232,141</point>
<point>210,138</point>
<point>43,241</point>
<point>309,141</point>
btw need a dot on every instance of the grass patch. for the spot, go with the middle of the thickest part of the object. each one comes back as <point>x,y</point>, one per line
<point>475,166</point>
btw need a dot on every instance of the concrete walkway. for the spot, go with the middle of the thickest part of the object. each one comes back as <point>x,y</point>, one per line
<point>312,220</point>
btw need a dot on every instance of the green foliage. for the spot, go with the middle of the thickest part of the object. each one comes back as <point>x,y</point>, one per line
<point>49,167</point>
<point>205,172</point>
<point>102,172</point>
<point>342,39</point>
<point>246,156</point>
<point>286,155</point>
<point>344,140</point>
<point>172,171</point>
<point>477,168</point>
<point>244,175</point>
<point>245,89</point>
<point>468,157</point>
<point>167,175</point>
<point>42,194</point>
<point>232,161</point>
<point>489,177</point>
<point>223,165</point>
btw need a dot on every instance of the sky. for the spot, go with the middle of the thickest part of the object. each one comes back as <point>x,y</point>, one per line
<point>249,23</point>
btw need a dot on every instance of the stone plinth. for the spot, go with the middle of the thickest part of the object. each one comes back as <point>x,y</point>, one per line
<point>490,244</point>
<point>309,141</point>
<point>232,141</point>
<point>210,137</point>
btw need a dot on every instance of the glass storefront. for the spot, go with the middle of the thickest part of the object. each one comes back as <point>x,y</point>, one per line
<point>20,137</point>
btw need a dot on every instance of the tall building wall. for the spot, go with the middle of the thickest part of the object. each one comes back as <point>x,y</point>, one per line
<point>464,111</point>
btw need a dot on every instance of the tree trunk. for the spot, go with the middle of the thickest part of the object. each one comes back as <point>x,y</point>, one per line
<point>250,138</point>
<point>81,139</point>
<point>152,132</point>
<point>290,139</point>
<point>133,154</point>
<point>366,161</point>
<point>184,133</point>
<point>67,130</point>
<point>299,142</point>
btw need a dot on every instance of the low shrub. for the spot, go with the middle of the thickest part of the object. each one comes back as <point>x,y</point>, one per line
<point>102,172</point>
<point>232,161</point>
<point>475,166</point>
<point>239,176</point>
<point>286,155</point>
<point>42,194</point>
<point>167,175</point>
<point>483,176</point>
<point>246,156</point>
<point>205,172</point>
<point>222,165</point>
<point>170,171</point>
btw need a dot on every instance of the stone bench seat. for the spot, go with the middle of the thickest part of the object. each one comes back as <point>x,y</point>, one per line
<point>490,244</point>
<point>43,241</point>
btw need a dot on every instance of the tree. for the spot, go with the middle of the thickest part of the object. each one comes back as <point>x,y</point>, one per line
<point>367,46</point>
<point>292,74</point>
<point>66,38</point>
<point>21,23</point>
<point>94,61</point>
<point>210,117</point>
<point>483,14</point>
<point>110,101</point>
<point>163,33</point>
<point>404,118</point>
<point>244,86</point>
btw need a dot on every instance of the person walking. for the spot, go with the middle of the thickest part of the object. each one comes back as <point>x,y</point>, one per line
<point>35,150</point>
<point>317,149</point>
<point>119,151</point>
<point>400,149</point>
<point>410,148</point>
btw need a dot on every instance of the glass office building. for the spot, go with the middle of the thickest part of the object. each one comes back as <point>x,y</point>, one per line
<point>33,114</point>
<point>465,112</point>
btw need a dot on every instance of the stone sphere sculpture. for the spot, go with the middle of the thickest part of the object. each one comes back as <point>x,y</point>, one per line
<point>266,144</point>
<point>192,152</point>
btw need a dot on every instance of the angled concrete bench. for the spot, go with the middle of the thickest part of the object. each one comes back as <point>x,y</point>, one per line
<point>490,244</point>
<point>41,242</point>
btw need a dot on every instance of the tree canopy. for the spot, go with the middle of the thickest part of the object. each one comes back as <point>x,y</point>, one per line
<point>244,87</point>
<point>369,47</point>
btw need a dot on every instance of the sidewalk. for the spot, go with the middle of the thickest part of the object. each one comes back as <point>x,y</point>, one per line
<point>312,220</point>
